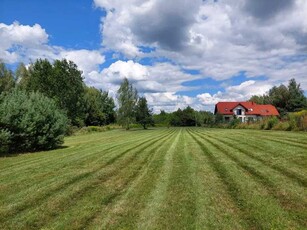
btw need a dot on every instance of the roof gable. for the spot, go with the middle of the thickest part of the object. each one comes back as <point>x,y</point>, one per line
<point>226,108</point>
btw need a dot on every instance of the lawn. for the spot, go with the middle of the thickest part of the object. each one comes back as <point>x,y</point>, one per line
<point>177,178</point>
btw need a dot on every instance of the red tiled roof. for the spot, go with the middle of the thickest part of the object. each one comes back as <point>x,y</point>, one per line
<point>226,108</point>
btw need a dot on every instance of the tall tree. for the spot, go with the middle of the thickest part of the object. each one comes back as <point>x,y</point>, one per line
<point>93,107</point>
<point>108,108</point>
<point>61,81</point>
<point>127,98</point>
<point>297,101</point>
<point>143,113</point>
<point>99,107</point>
<point>7,81</point>
<point>285,98</point>
<point>279,96</point>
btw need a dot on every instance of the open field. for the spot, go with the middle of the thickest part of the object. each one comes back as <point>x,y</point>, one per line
<point>177,178</point>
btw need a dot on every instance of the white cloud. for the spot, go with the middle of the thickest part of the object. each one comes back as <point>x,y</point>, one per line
<point>220,38</point>
<point>168,101</point>
<point>87,60</point>
<point>24,43</point>
<point>17,39</point>
<point>161,77</point>
<point>241,92</point>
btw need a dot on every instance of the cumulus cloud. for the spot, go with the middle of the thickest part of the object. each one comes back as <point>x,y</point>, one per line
<point>25,43</point>
<point>87,60</point>
<point>160,77</point>
<point>169,101</point>
<point>219,38</point>
<point>263,9</point>
<point>241,92</point>
<point>16,40</point>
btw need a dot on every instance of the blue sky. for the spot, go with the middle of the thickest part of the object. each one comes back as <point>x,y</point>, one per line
<point>176,53</point>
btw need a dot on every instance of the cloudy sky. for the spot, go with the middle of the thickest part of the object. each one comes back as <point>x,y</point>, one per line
<point>175,52</point>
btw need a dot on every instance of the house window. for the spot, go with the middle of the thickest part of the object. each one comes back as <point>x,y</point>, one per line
<point>239,111</point>
<point>227,119</point>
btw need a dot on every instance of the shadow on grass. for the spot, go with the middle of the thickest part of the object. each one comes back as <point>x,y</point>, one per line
<point>16,154</point>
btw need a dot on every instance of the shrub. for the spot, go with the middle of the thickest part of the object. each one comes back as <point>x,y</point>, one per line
<point>298,120</point>
<point>270,123</point>
<point>33,120</point>
<point>285,126</point>
<point>94,129</point>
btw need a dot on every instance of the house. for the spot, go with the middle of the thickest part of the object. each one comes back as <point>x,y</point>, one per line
<point>245,111</point>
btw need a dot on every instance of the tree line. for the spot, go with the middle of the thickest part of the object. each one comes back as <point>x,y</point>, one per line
<point>184,117</point>
<point>286,99</point>
<point>39,103</point>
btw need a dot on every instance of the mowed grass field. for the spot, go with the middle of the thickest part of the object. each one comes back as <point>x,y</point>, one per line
<point>177,178</point>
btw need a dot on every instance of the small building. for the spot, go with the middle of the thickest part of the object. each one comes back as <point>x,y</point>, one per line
<point>245,111</point>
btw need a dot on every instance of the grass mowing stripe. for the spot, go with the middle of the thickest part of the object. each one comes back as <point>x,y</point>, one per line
<point>101,177</point>
<point>126,177</point>
<point>204,184</point>
<point>125,211</point>
<point>60,157</point>
<point>231,186</point>
<point>25,204</point>
<point>284,171</point>
<point>25,158</point>
<point>46,182</point>
<point>282,140</point>
<point>278,151</point>
<point>179,206</point>
<point>76,156</point>
<point>285,200</point>
<point>215,207</point>
<point>149,215</point>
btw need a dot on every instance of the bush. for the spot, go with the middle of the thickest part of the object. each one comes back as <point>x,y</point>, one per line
<point>94,129</point>
<point>33,120</point>
<point>298,120</point>
<point>285,126</point>
<point>270,123</point>
<point>234,123</point>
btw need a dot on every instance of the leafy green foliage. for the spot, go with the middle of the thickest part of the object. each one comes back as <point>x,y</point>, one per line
<point>127,98</point>
<point>185,117</point>
<point>99,107</point>
<point>30,121</point>
<point>143,113</point>
<point>61,81</point>
<point>297,101</point>
<point>7,81</point>
<point>285,98</point>
<point>5,140</point>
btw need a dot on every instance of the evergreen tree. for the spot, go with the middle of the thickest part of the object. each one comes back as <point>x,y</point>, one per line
<point>30,122</point>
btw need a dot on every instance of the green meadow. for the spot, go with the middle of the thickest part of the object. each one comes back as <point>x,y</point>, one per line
<point>176,178</point>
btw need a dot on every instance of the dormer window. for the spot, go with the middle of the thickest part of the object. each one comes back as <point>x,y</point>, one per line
<point>239,111</point>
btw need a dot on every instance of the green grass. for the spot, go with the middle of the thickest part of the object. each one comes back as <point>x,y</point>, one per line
<point>177,178</point>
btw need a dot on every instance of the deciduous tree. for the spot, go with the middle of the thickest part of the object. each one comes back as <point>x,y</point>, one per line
<point>127,98</point>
